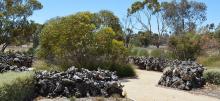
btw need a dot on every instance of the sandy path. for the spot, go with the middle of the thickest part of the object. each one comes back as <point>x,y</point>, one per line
<point>145,88</point>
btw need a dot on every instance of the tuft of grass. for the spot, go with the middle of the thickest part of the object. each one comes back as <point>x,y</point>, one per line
<point>212,76</point>
<point>9,77</point>
<point>16,86</point>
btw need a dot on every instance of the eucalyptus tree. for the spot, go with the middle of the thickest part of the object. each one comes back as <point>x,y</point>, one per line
<point>14,19</point>
<point>146,9</point>
<point>105,19</point>
<point>183,16</point>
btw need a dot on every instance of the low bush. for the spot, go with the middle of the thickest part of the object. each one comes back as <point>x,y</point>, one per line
<point>16,86</point>
<point>123,70</point>
<point>212,76</point>
<point>185,46</point>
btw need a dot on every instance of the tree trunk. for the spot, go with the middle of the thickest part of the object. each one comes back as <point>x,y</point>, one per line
<point>159,34</point>
<point>158,46</point>
<point>183,26</point>
<point>4,47</point>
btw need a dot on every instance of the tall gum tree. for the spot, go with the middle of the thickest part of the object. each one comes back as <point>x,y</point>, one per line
<point>13,18</point>
<point>183,16</point>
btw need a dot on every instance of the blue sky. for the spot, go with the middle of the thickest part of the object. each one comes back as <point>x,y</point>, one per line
<point>54,8</point>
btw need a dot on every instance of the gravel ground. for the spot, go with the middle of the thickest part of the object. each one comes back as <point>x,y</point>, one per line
<point>144,88</point>
<point>85,99</point>
<point>210,90</point>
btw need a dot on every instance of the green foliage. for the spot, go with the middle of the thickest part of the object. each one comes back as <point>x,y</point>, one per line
<point>16,86</point>
<point>212,76</point>
<point>141,39</point>
<point>135,42</point>
<point>78,40</point>
<point>138,52</point>
<point>185,46</point>
<point>152,5</point>
<point>68,40</point>
<point>14,24</point>
<point>183,15</point>
<point>144,38</point>
<point>106,18</point>
<point>155,40</point>
<point>123,70</point>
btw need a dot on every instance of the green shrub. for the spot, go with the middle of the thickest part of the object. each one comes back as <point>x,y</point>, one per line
<point>16,86</point>
<point>212,76</point>
<point>186,46</point>
<point>123,70</point>
<point>77,40</point>
<point>135,42</point>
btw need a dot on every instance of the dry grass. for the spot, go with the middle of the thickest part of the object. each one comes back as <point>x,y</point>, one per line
<point>42,65</point>
<point>21,48</point>
<point>210,62</point>
<point>9,77</point>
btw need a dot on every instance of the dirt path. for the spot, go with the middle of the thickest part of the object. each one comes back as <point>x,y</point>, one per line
<point>145,88</point>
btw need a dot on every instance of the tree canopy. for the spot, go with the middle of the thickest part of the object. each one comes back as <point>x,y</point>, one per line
<point>183,16</point>
<point>13,19</point>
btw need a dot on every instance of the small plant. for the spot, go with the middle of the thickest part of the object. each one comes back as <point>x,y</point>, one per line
<point>212,76</point>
